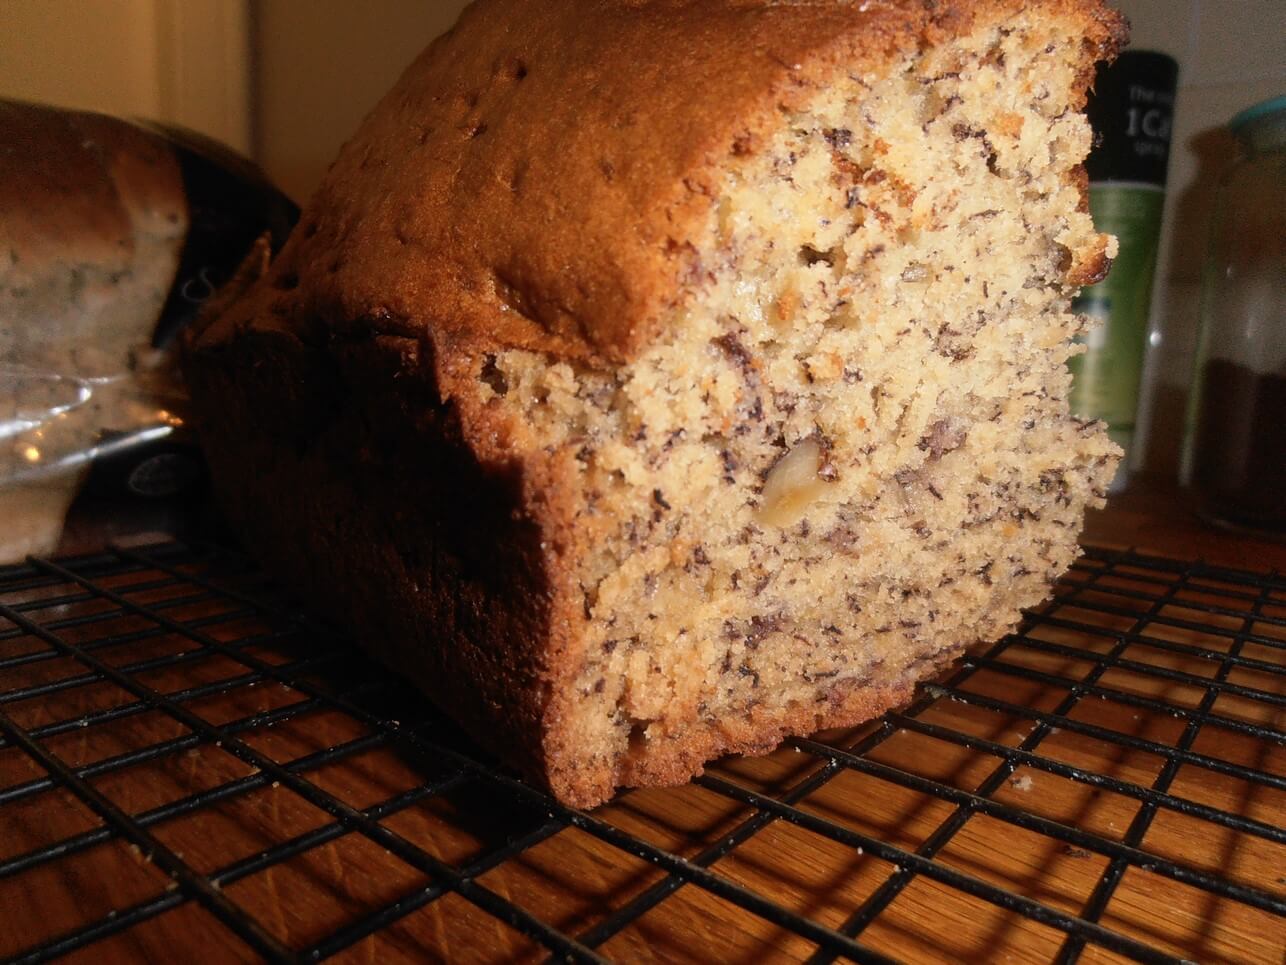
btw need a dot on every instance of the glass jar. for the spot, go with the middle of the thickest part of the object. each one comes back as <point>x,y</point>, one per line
<point>1237,428</point>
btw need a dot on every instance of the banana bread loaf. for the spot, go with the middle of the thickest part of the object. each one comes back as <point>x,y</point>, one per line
<point>653,379</point>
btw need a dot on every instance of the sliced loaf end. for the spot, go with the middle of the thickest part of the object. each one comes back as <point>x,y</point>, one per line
<point>853,457</point>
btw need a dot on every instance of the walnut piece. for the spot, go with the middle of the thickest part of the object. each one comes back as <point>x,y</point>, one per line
<point>793,484</point>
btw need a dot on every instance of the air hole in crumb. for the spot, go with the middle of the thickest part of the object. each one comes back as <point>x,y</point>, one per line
<point>517,176</point>
<point>877,395</point>
<point>1063,258</point>
<point>638,737</point>
<point>493,376</point>
<point>477,131</point>
<point>808,255</point>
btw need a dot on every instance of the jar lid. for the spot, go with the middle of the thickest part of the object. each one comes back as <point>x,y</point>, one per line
<point>1257,112</point>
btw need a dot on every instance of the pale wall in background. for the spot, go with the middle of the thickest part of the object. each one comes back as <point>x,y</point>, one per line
<point>321,66</point>
<point>1231,53</point>
<point>182,61</point>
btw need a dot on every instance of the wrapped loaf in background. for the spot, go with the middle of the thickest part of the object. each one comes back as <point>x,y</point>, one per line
<point>112,235</point>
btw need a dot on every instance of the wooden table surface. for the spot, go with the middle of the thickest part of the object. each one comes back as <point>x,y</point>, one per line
<point>1154,514</point>
<point>284,862</point>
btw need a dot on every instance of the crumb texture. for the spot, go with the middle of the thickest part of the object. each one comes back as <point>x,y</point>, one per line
<point>854,457</point>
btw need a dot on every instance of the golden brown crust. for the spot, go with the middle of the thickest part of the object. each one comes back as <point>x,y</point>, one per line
<point>541,175</point>
<point>481,206</point>
<point>678,759</point>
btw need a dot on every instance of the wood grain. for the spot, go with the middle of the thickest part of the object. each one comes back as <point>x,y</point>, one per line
<point>318,877</point>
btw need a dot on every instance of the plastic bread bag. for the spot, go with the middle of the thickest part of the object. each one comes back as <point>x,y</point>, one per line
<point>112,236</point>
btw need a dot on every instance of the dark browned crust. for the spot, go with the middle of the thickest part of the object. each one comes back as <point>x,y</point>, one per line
<point>678,758</point>
<point>516,188</point>
<point>1090,270</point>
<point>365,496</point>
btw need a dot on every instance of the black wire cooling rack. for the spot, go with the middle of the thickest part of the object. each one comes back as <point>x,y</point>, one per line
<point>189,768</point>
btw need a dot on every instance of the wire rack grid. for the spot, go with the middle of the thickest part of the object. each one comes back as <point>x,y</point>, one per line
<point>188,762</point>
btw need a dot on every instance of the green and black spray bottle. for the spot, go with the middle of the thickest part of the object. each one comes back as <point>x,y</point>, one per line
<point>1131,111</point>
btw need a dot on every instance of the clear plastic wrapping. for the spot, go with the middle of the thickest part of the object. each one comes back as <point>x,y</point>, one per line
<point>112,235</point>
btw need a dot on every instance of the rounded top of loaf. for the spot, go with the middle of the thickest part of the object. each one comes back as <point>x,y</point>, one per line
<point>541,175</point>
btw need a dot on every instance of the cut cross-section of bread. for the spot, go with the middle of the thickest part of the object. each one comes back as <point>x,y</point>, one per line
<point>653,380</point>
